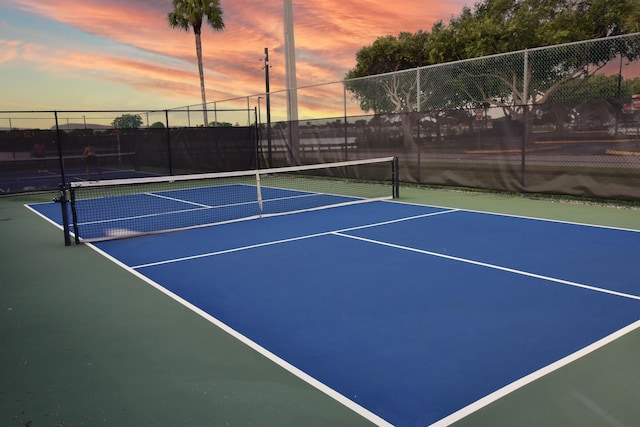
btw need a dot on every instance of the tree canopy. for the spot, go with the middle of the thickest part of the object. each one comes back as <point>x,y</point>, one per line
<point>499,26</point>
<point>391,53</point>
<point>489,28</point>
<point>127,121</point>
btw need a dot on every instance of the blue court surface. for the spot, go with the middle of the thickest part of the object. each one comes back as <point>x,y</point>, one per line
<point>410,315</point>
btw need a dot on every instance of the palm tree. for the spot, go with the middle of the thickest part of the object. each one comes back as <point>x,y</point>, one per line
<point>190,13</point>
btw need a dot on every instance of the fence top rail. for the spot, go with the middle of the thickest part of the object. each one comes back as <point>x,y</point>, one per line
<point>498,55</point>
<point>168,110</point>
<point>431,66</point>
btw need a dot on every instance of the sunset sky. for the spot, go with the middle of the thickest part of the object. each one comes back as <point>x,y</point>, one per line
<point>122,54</point>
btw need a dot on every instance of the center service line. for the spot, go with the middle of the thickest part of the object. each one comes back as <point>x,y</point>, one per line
<point>493,266</point>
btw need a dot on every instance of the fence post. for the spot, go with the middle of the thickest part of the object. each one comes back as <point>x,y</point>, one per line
<point>419,172</point>
<point>525,118</point>
<point>248,113</point>
<point>59,143</point>
<point>525,78</point>
<point>166,119</point>
<point>346,130</point>
<point>62,199</point>
<point>418,90</point>
<point>396,178</point>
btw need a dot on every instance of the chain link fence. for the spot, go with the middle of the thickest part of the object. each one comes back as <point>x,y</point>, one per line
<point>559,120</point>
<point>39,151</point>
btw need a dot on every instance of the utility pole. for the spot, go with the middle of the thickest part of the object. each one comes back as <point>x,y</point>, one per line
<point>268,102</point>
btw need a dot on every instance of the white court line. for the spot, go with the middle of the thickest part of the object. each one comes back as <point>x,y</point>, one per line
<point>199,207</point>
<point>533,218</point>
<point>493,266</point>
<point>335,395</point>
<point>292,239</point>
<point>175,199</point>
<point>452,418</point>
<point>510,388</point>
<point>128,218</point>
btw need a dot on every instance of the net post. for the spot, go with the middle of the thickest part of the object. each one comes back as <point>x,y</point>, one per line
<point>63,181</point>
<point>396,178</point>
<point>62,199</point>
<point>74,214</point>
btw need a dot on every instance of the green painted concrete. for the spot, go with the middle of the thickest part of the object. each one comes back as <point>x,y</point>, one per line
<point>85,343</point>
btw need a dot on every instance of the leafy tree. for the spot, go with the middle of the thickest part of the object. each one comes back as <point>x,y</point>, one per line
<point>157,125</point>
<point>390,53</point>
<point>593,87</point>
<point>127,121</point>
<point>385,57</point>
<point>497,27</point>
<point>190,14</point>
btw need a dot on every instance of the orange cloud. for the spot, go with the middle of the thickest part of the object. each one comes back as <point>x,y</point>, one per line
<point>327,34</point>
<point>8,50</point>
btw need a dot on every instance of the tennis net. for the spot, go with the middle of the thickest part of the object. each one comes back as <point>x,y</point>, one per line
<point>115,209</point>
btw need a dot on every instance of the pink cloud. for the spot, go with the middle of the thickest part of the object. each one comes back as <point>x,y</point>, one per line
<point>9,50</point>
<point>328,34</point>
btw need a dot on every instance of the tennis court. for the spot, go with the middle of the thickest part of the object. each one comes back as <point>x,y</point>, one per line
<point>29,173</point>
<point>407,314</point>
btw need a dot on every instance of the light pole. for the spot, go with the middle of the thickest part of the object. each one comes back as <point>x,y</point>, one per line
<point>292,91</point>
<point>266,77</point>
